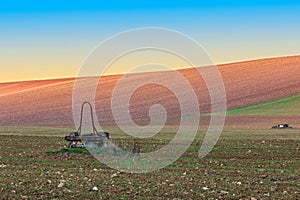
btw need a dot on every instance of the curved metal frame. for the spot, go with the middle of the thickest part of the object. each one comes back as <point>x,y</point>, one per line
<point>92,116</point>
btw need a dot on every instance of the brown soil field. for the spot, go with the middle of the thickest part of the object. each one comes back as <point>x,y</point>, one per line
<point>243,165</point>
<point>49,102</point>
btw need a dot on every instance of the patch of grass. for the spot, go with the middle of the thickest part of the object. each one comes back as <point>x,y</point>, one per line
<point>286,106</point>
<point>69,150</point>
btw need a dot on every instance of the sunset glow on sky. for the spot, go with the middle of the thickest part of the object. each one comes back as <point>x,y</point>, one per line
<point>50,39</point>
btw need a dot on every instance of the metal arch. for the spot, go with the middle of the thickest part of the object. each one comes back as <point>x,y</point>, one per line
<point>92,117</point>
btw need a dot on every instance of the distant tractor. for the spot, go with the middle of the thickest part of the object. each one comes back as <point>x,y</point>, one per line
<point>281,126</point>
<point>94,139</point>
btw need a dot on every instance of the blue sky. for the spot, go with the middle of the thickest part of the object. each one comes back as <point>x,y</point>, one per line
<point>50,39</point>
<point>96,5</point>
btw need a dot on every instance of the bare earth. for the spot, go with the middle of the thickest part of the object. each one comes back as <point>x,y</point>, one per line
<point>49,102</point>
<point>249,161</point>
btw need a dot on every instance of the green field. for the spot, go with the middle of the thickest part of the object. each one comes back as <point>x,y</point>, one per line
<point>286,106</point>
<point>244,164</point>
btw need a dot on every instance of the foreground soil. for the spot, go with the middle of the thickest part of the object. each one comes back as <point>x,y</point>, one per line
<point>49,102</point>
<point>245,164</point>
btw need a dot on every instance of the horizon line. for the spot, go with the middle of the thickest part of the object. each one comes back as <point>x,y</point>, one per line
<point>119,74</point>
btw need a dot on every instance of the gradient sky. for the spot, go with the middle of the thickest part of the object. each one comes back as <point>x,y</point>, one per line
<point>50,38</point>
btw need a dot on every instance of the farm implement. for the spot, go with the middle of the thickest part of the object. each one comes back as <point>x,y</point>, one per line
<point>95,139</point>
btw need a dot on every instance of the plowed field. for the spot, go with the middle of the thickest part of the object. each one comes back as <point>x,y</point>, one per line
<point>49,102</point>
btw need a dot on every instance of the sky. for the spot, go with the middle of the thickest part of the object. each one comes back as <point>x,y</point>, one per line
<point>51,38</point>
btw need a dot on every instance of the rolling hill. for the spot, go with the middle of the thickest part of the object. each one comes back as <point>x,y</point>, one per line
<point>49,102</point>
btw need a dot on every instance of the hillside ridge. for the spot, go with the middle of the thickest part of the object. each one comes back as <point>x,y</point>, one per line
<point>49,102</point>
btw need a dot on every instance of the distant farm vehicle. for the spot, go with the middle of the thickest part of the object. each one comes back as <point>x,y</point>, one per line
<point>94,139</point>
<point>281,126</point>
